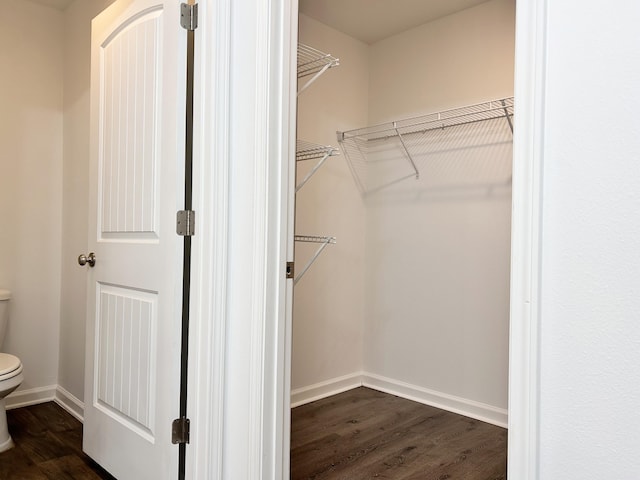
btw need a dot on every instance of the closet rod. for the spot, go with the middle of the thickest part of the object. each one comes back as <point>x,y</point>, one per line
<point>323,241</point>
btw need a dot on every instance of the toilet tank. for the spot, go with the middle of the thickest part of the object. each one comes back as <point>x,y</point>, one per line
<point>5,295</point>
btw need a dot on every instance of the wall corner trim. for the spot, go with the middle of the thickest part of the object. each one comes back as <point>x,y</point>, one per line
<point>451,403</point>
<point>318,391</point>
<point>69,402</point>
<point>50,393</point>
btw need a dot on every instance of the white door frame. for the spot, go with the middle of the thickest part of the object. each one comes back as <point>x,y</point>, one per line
<point>528,150</point>
<point>209,244</point>
<point>241,341</point>
<point>243,160</point>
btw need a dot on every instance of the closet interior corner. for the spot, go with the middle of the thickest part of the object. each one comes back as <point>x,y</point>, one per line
<point>404,154</point>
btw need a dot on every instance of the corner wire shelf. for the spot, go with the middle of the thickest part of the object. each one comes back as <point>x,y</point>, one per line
<point>322,241</point>
<point>378,140</point>
<point>311,151</point>
<point>313,62</point>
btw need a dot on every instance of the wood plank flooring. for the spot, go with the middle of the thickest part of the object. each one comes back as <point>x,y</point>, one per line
<point>365,434</point>
<point>360,434</point>
<point>48,446</point>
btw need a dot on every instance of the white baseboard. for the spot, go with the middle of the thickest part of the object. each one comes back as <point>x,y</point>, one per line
<point>51,393</point>
<point>69,402</point>
<point>469,408</point>
<point>309,394</point>
<point>32,396</point>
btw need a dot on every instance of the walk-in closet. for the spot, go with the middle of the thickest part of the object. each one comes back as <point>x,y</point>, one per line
<point>405,124</point>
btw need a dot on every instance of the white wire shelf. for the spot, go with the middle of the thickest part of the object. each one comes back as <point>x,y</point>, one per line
<point>313,62</point>
<point>382,155</point>
<point>314,239</point>
<point>311,151</point>
<point>324,242</point>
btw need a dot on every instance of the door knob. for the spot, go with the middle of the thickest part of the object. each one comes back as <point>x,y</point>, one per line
<point>90,259</point>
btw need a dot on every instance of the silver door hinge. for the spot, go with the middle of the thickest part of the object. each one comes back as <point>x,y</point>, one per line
<point>189,16</point>
<point>186,223</point>
<point>290,269</point>
<point>180,429</point>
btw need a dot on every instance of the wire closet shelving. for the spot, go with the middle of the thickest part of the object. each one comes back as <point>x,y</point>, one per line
<point>323,243</point>
<point>312,151</point>
<point>313,62</point>
<point>383,147</point>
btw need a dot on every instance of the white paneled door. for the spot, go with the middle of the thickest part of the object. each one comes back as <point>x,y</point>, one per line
<point>134,309</point>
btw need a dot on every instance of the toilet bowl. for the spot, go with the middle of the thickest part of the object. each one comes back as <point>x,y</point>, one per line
<point>10,373</point>
<point>10,379</point>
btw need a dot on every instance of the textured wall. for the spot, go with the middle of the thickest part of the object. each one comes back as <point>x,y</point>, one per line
<point>590,325</point>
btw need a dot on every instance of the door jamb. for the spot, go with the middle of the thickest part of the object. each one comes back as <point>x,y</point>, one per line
<point>209,245</point>
<point>243,154</point>
<point>526,246</point>
<point>272,386</point>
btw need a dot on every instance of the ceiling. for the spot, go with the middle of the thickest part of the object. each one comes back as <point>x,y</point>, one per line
<point>374,20</point>
<point>59,4</point>
<point>366,20</point>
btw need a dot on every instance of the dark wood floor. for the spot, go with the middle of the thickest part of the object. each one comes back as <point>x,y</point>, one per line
<point>359,434</point>
<point>365,434</point>
<point>48,446</point>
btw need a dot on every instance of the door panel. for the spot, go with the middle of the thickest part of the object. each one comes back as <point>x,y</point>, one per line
<point>133,327</point>
<point>131,69</point>
<point>126,367</point>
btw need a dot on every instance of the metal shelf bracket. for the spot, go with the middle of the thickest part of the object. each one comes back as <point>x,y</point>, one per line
<point>312,151</point>
<point>322,241</point>
<point>313,62</point>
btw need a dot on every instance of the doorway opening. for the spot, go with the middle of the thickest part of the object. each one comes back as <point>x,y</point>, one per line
<point>403,228</point>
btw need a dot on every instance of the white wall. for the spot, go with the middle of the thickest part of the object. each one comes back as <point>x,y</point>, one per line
<point>590,325</point>
<point>31,184</point>
<point>438,248</point>
<point>77,60</point>
<point>329,299</point>
<point>458,60</point>
<point>44,157</point>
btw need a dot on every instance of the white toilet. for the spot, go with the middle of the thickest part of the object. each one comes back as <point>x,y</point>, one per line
<point>10,372</point>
